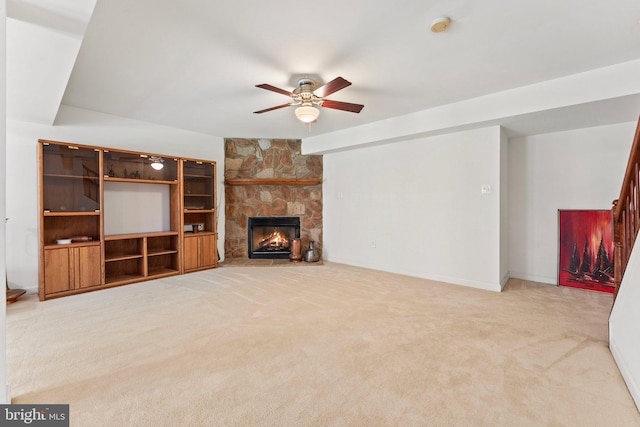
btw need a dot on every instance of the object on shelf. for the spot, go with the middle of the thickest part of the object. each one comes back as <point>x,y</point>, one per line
<point>63,241</point>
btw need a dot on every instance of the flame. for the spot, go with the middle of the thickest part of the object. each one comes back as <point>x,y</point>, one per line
<point>275,240</point>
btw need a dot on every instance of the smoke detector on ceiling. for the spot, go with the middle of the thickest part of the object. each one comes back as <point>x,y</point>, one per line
<point>440,24</point>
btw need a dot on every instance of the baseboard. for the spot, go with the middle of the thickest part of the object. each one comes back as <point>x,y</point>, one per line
<point>495,287</point>
<point>534,278</point>
<point>623,367</point>
<point>504,280</point>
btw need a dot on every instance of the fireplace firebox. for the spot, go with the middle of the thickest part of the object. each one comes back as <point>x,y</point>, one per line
<point>270,237</point>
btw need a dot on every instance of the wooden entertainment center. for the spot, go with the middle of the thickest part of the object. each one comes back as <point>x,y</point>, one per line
<point>77,252</point>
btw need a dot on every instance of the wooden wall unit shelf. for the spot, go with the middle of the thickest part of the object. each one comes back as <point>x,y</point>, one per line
<point>71,199</point>
<point>132,257</point>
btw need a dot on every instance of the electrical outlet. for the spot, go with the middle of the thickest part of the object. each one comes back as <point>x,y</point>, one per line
<point>485,189</point>
<point>373,243</point>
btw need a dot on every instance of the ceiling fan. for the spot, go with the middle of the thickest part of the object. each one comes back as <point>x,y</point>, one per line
<point>306,97</point>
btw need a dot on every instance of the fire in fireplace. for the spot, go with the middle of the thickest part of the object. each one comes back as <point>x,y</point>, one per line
<point>270,237</point>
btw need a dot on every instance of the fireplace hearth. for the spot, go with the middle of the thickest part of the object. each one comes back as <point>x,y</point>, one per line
<point>271,237</point>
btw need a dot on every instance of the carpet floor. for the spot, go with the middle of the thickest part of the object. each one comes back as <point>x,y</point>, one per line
<point>319,345</point>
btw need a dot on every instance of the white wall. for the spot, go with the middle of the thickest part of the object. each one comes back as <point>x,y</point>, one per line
<point>5,395</point>
<point>91,128</point>
<point>504,208</point>
<point>420,201</point>
<point>579,169</point>
<point>624,326</point>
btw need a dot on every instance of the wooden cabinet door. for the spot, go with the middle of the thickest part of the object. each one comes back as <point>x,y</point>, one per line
<point>88,266</point>
<point>191,253</point>
<point>208,245</point>
<point>58,271</point>
<point>66,269</point>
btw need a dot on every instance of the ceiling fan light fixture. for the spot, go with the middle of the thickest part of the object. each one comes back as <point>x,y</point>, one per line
<point>307,114</point>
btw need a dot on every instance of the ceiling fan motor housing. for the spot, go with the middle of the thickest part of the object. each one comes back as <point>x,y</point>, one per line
<point>304,93</point>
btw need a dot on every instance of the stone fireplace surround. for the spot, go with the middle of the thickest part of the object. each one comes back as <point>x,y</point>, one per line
<point>277,181</point>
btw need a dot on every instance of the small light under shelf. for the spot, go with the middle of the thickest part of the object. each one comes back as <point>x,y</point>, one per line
<point>156,163</point>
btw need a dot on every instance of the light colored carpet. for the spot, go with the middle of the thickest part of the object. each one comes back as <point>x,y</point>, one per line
<point>319,345</point>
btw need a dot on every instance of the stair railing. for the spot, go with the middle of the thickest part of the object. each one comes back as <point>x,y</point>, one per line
<point>626,212</point>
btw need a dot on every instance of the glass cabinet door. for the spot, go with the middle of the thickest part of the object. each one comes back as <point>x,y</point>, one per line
<point>198,185</point>
<point>70,178</point>
<point>120,166</point>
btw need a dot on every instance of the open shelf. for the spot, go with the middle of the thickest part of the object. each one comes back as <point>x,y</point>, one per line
<point>131,257</point>
<point>60,226</point>
<point>122,248</point>
<point>162,272</point>
<point>123,278</point>
<point>129,269</point>
<point>163,264</point>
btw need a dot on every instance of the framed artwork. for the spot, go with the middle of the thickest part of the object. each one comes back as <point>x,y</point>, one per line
<point>586,249</point>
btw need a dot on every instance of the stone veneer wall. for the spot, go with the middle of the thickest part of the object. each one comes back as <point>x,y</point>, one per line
<point>245,159</point>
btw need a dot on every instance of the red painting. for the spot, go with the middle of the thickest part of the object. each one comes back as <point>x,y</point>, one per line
<point>586,250</point>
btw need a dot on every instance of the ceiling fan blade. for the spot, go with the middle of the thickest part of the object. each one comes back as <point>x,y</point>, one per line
<point>271,109</point>
<point>331,87</point>
<point>344,106</point>
<point>275,89</point>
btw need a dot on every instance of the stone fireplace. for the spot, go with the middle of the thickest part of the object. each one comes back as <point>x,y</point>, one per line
<point>270,180</point>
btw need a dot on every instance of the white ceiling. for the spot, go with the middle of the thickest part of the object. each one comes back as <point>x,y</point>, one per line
<point>193,64</point>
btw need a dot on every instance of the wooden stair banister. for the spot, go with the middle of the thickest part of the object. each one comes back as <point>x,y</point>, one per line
<point>626,212</point>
